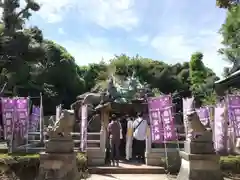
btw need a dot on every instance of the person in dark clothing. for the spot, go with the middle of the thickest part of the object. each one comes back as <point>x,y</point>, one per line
<point>123,123</point>
<point>114,140</point>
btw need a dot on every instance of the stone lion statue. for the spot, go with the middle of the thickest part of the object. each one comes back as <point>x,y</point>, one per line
<point>195,129</point>
<point>63,126</point>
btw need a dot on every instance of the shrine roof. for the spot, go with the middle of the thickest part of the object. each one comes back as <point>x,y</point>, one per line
<point>230,81</point>
<point>123,107</point>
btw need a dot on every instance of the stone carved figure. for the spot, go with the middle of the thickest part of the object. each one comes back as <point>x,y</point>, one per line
<point>95,98</point>
<point>63,126</point>
<point>196,131</point>
<point>112,89</point>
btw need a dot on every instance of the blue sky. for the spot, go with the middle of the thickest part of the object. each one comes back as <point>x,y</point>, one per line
<point>166,30</point>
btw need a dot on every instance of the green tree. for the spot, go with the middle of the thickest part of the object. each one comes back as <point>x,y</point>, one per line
<point>17,46</point>
<point>30,64</point>
<point>227,3</point>
<point>230,32</point>
<point>198,74</point>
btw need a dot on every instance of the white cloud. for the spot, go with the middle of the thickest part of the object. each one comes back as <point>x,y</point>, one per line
<point>179,47</point>
<point>90,51</point>
<point>61,31</point>
<point>106,13</point>
<point>143,39</point>
<point>53,10</point>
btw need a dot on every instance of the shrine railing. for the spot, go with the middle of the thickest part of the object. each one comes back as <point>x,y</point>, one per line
<point>76,139</point>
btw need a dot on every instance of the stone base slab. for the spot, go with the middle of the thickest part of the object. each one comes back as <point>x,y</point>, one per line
<point>154,158</point>
<point>95,157</point>
<point>199,167</point>
<point>58,166</point>
<point>58,156</point>
<point>199,147</point>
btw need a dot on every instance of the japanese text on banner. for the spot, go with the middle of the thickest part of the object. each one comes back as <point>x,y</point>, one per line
<point>160,113</point>
<point>156,126</point>
<point>220,128</point>
<point>234,113</point>
<point>8,112</point>
<point>22,116</point>
<point>168,124</point>
<point>204,115</point>
<point>34,119</point>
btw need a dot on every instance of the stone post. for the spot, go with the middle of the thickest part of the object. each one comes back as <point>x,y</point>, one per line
<point>199,160</point>
<point>59,161</point>
<point>102,133</point>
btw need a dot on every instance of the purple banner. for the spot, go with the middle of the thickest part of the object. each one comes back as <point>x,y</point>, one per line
<point>83,136</point>
<point>35,119</point>
<point>188,105</point>
<point>204,115</point>
<point>15,116</point>
<point>22,117</point>
<point>233,102</point>
<point>220,129</point>
<point>160,102</point>
<point>168,124</point>
<point>8,110</point>
<point>161,119</point>
<point>156,126</point>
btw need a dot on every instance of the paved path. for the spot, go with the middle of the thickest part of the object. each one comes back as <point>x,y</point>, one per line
<point>129,177</point>
<point>132,177</point>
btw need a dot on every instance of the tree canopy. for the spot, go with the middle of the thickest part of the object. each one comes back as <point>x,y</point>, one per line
<point>30,64</point>
<point>227,3</point>
<point>230,32</point>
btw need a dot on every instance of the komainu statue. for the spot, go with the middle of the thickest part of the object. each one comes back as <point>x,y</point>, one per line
<point>63,126</point>
<point>196,131</point>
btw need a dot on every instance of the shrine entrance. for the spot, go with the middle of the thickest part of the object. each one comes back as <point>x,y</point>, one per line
<point>120,110</point>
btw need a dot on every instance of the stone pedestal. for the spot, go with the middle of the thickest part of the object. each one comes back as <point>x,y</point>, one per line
<point>199,147</point>
<point>199,162</point>
<point>59,146</point>
<point>59,161</point>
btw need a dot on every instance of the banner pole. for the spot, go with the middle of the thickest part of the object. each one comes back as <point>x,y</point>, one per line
<point>41,119</point>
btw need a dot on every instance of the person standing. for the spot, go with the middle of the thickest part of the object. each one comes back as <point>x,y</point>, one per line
<point>139,135</point>
<point>114,140</point>
<point>129,138</point>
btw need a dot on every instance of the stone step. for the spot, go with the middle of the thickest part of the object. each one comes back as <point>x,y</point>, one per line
<point>125,168</point>
<point>130,177</point>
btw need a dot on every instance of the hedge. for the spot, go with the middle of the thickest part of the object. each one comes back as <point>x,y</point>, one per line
<point>229,164</point>
<point>25,167</point>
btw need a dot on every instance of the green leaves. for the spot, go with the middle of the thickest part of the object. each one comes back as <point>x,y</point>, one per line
<point>227,3</point>
<point>230,32</point>
<point>35,64</point>
<point>201,78</point>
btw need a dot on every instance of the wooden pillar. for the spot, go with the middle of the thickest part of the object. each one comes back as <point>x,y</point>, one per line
<point>103,132</point>
<point>148,140</point>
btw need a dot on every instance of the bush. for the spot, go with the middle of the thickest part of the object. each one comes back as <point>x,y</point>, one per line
<point>82,165</point>
<point>228,164</point>
<point>25,167</point>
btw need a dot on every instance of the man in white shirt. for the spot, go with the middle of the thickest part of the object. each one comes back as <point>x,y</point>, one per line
<point>139,134</point>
